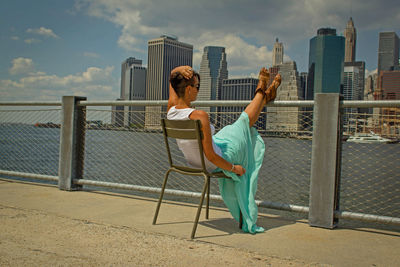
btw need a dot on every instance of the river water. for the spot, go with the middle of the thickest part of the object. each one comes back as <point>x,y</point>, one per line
<point>370,176</point>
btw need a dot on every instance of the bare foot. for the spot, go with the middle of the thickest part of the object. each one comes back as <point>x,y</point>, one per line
<point>271,91</point>
<point>263,79</point>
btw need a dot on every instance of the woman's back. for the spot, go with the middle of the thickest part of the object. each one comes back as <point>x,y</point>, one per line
<point>190,148</point>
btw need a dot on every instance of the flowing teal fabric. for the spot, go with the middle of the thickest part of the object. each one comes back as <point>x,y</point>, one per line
<point>241,145</point>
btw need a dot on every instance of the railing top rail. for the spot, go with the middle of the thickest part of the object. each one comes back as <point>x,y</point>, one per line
<point>238,103</point>
<point>31,103</point>
<point>213,103</point>
<point>124,103</point>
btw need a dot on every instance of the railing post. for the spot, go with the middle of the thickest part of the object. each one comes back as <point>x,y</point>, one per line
<point>72,143</point>
<point>325,161</point>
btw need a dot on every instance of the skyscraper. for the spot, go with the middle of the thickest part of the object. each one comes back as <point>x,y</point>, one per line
<point>359,67</point>
<point>325,63</point>
<point>133,87</point>
<point>303,84</point>
<point>213,69</point>
<point>277,53</point>
<point>390,84</point>
<point>286,119</point>
<point>351,89</point>
<point>164,54</point>
<point>350,46</point>
<point>126,78</point>
<point>238,89</point>
<point>388,53</point>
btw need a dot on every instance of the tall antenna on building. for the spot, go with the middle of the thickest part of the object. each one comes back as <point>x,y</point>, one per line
<point>351,9</point>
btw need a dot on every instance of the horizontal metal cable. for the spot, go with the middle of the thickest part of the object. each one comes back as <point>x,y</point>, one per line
<point>31,103</point>
<point>148,189</point>
<point>282,206</point>
<point>29,175</point>
<point>370,104</point>
<point>367,217</point>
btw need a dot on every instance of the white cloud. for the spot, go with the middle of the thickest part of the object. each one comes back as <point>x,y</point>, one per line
<point>43,31</point>
<point>32,41</point>
<point>242,57</point>
<point>237,25</point>
<point>15,38</point>
<point>95,83</point>
<point>21,65</point>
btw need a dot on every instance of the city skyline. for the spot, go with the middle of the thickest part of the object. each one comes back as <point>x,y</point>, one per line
<point>76,47</point>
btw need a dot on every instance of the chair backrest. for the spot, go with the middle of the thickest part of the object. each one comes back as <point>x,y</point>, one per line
<point>183,129</point>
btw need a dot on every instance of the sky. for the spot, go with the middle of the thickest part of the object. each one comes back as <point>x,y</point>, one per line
<point>53,48</point>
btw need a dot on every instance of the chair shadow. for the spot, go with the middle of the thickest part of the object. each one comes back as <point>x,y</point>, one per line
<point>230,226</point>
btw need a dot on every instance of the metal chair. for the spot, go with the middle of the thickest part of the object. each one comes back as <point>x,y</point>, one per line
<point>189,129</point>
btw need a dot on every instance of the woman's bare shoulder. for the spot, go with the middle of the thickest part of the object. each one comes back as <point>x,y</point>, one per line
<point>198,114</point>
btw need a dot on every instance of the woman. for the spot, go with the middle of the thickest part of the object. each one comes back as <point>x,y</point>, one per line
<point>237,149</point>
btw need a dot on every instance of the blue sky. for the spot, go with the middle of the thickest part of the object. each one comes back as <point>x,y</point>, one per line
<point>54,48</point>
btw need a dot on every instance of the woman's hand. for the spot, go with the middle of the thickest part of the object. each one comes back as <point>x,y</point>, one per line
<point>186,71</point>
<point>239,170</point>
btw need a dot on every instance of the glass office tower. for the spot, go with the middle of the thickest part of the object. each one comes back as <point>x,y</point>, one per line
<point>213,69</point>
<point>388,53</point>
<point>325,63</point>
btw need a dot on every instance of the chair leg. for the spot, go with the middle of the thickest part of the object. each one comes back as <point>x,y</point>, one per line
<point>208,196</point>
<point>240,220</point>
<point>161,196</point>
<point>199,209</point>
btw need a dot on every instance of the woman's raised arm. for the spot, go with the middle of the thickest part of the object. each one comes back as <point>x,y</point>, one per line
<point>187,72</point>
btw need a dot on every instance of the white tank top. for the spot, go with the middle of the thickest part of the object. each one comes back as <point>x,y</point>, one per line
<point>190,148</point>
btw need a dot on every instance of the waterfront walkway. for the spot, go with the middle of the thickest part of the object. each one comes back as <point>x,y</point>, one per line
<point>43,226</point>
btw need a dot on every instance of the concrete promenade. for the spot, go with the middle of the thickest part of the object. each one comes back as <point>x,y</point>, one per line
<point>44,226</point>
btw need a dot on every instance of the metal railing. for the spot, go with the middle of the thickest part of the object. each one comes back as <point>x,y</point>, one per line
<point>120,147</point>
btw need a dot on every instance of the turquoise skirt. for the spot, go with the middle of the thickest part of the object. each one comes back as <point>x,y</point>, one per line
<point>241,145</point>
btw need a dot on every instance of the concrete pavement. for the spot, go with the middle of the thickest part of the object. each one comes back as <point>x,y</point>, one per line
<point>284,238</point>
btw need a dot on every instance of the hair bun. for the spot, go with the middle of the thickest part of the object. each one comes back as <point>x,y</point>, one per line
<point>177,75</point>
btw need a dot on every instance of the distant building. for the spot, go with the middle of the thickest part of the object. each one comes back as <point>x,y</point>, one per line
<point>390,85</point>
<point>126,79</point>
<point>303,84</point>
<point>389,89</point>
<point>358,88</point>
<point>213,70</point>
<point>133,87</point>
<point>369,87</point>
<point>388,53</point>
<point>369,91</point>
<point>286,120</point>
<point>277,53</point>
<point>350,35</point>
<point>237,89</point>
<point>164,54</point>
<point>273,71</point>
<point>325,67</point>
<point>351,90</point>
